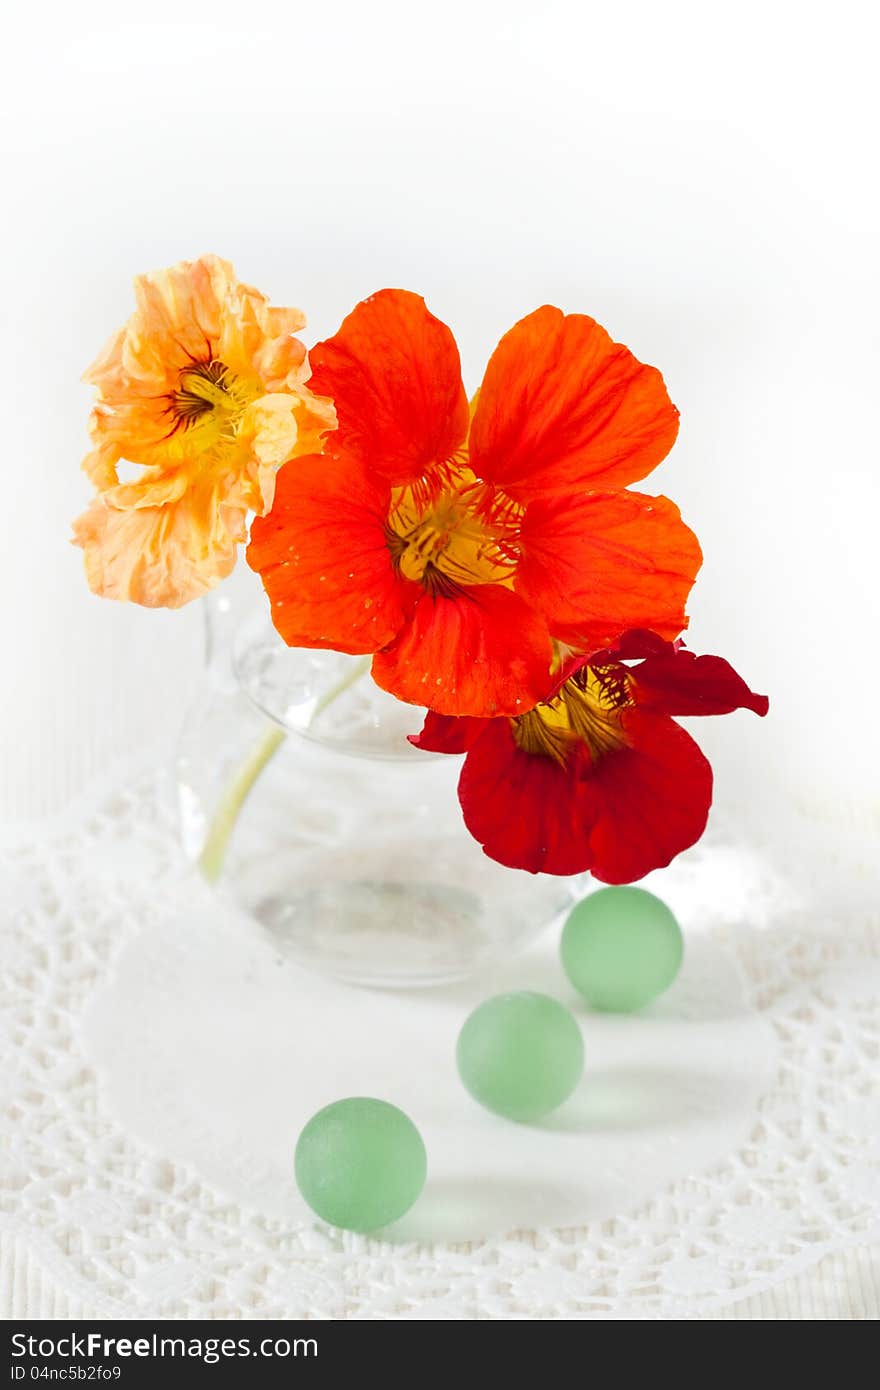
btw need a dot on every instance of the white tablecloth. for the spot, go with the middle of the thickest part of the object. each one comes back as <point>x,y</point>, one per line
<point>106,1211</point>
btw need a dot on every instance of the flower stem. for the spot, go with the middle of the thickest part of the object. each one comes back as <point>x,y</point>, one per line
<point>231,802</point>
<point>359,669</point>
<point>221,827</point>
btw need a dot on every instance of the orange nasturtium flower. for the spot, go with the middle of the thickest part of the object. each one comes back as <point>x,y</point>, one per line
<point>463,547</point>
<point>205,387</point>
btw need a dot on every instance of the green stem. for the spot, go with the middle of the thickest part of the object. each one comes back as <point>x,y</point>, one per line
<point>233,799</point>
<point>359,669</point>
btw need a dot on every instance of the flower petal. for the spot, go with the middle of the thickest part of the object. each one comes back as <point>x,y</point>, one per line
<point>99,467</point>
<point>269,426</point>
<point>563,408</point>
<point>280,360</point>
<point>181,314</point>
<point>444,733</point>
<point>324,561</point>
<point>651,798</point>
<point>604,562</point>
<point>156,487</point>
<point>279,425</point>
<point>394,374</point>
<point>672,680</point>
<point>527,811</point>
<point>689,684</point>
<point>161,556</point>
<point>481,651</point>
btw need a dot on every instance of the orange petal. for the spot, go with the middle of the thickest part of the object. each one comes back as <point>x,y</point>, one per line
<point>324,561</point>
<point>394,374</point>
<point>280,321</point>
<point>180,313</point>
<point>160,556</point>
<point>99,466</point>
<point>315,419</point>
<point>480,652</point>
<point>253,339</point>
<point>281,361</point>
<point>107,365</point>
<point>605,562</point>
<point>563,408</point>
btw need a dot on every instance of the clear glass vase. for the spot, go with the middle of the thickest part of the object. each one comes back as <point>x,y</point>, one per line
<point>303,802</point>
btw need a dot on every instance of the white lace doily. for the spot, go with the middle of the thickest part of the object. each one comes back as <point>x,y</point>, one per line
<point>126,1213</point>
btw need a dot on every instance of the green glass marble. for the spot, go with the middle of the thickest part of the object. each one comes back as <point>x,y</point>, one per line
<point>621,947</point>
<point>360,1163</point>
<point>521,1055</point>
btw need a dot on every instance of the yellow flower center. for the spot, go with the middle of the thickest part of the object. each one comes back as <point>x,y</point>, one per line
<point>586,710</point>
<point>210,401</point>
<point>452,532</point>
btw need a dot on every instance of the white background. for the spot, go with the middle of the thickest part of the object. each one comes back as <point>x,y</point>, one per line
<point>701,178</point>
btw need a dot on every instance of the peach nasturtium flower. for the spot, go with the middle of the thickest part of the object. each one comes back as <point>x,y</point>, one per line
<point>205,389</point>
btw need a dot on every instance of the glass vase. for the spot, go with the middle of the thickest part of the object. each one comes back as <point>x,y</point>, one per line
<point>303,803</point>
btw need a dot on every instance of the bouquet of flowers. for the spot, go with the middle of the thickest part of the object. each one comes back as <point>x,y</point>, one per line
<point>489,556</point>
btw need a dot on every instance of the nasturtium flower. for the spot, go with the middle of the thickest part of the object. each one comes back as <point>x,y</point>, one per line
<point>205,388</point>
<point>599,776</point>
<point>457,543</point>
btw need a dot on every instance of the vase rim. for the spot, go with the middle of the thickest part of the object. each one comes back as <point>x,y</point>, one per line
<point>288,685</point>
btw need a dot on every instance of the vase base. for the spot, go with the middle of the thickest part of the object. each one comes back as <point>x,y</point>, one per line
<point>395,934</point>
<point>305,806</point>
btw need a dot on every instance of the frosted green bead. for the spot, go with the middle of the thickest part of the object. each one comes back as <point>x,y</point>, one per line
<point>360,1163</point>
<point>621,947</point>
<point>520,1055</point>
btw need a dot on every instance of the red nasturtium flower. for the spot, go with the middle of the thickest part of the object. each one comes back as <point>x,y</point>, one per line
<point>598,776</point>
<point>457,545</point>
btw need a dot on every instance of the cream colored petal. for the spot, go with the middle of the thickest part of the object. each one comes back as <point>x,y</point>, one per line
<point>107,363</point>
<point>163,556</point>
<point>270,428</point>
<point>155,488</point>
<point>253,489</point>
<point>281,322</point>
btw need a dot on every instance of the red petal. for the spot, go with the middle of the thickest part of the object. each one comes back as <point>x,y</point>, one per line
<point>683,683</point>
<point>604,562</point>
<point>672,680</point>
<point>527,811</point>
<point>394,374</point>
<point>634,645</point>
<point>563,408</point>
<point>482,652</point>
<point>443,733</point>
<point>650,800</point>
<point>324,561</point>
